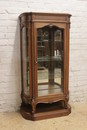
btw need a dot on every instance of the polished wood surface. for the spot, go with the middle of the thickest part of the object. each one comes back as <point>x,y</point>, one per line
<point>45,86</point>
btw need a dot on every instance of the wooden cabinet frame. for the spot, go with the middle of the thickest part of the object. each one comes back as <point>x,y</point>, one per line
<point>30,108</point>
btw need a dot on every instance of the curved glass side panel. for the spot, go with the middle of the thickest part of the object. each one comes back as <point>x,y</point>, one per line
<point>25,60</point>
<point>50,40</point>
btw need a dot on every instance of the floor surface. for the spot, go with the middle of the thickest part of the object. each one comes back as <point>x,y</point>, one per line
<point>77,120</point>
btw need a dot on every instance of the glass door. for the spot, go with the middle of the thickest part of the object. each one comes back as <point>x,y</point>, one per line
<point>50,40</point>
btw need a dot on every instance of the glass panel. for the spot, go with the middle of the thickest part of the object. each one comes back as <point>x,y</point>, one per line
<point>50,60</point>
<point>25,60</point>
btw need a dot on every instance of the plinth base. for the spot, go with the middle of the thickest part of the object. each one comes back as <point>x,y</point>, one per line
<point>45,111</point>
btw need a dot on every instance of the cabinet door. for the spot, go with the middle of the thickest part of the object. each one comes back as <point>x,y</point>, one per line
<point>49,59</point>
<point>25,61</point>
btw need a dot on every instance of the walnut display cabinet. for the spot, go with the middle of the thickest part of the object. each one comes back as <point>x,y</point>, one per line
<point>44,44</point>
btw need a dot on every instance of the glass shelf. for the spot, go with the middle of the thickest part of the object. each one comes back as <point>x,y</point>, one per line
<point>47,58</point>
<point>44,41</point>
<point>49,41</point>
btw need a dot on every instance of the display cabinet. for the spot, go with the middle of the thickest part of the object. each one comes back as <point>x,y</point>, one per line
<point>44,40</point>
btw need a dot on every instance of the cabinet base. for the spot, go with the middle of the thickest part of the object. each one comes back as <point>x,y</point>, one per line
<point>44,112</point>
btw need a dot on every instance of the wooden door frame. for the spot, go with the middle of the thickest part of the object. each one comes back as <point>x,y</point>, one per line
<point>34,56</point>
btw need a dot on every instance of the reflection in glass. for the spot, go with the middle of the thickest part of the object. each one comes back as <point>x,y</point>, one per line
<point>25,61</point>
<point>50,60</point>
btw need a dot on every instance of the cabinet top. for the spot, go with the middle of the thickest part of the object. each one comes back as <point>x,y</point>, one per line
<point>42,13</point>
<point>39,16</point>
